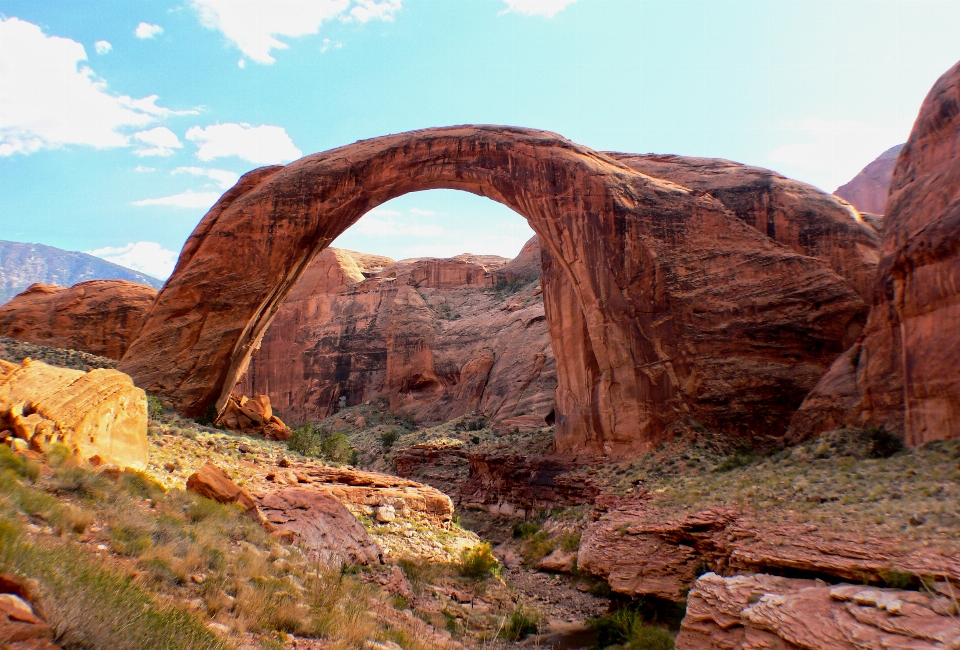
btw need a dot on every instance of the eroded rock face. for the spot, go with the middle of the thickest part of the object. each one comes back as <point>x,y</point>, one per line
<point>253,416</point>
<point>321,525</point>
<point>677,309</point>
<point>101,317</point>
<point>100,414</point>
<point>22,626</point>
<point>213,483</point>
<point>640,549</point>
<point>432,336</point>
<point>764,611</point>
<point>903,375</point>
<point>867,191</point>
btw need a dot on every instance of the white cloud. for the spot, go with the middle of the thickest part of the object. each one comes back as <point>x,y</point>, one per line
<point>144,170</point>
<point>102,47</point>
<point>536,7</point>
<point>262,145</point>
<point>188,199</point>
<point>256,26</point>
<point>327,45</point>
<point>49,99</point>
<point>422,213</point>
<point>146,30</point>
<point>159,141</point>
<point>371,225</point>
<point>144,256</point>
<point>831,152</point>
<point>225,179</point>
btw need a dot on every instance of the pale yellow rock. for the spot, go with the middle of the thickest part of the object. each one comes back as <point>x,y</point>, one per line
<point>96,414</point>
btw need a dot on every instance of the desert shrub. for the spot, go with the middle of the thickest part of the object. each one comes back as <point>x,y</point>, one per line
<point>478,562</point>
<point>896,579</point>
<point>649,637</point>
<point>627,627</point>
<point>130,540</point>
<point>570,542</point>
<point>387,438</point>
<point>883,444</point>
<point>154,407</point>
<point>735,461</point>
<point>525,529</point>
<point>522,622</point>
<point>537,547</point>
<point>317,442</point>
<point>17,464</point>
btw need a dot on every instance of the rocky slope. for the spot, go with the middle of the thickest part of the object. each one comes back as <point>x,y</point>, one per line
<point>24,264</point>
<point>868,190</point>
<point>100,317</point>
<point>902,374</point>
<point>435,337</point>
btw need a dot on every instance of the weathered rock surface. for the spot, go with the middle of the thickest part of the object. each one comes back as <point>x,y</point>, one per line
<point>100,414</point>
<point>321,524</point>
<point>764,611</point>
<point>100,316</point>
<point>799,216</point>
<point>213,483</point>
<point>253,416</point>
<point>24,264</point>
<point>903,375</point>
<point>868,190</point>
<point>429,335</point>
<point>672,309</point>
<point>21,622</point>
<point>640,549</point>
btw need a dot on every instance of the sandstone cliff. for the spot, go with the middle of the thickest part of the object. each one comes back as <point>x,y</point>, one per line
<point>100,316</point>
<point>433,336</point>
<point>24,264</point>
<point>867,191</point>
<point>903,373</point>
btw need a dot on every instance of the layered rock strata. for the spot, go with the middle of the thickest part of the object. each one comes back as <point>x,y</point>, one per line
<point>100,317</point>
<point>640,549</point>
<point>763,611</point>
<point>671,308</point>
<point>100,415</point>
<point>902,375</point>
<point>431,336</point>
<point>868,190</point>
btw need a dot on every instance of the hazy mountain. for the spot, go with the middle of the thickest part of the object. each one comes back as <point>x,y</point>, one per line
<point>23,264</point>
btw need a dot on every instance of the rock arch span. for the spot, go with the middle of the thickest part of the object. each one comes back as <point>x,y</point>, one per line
<point>663,305</point>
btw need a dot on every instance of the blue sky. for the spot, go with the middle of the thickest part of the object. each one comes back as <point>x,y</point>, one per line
<point>121,122</point>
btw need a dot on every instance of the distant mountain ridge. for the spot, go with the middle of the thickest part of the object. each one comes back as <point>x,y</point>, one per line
<point>24,264</point>
<point>867,191</point>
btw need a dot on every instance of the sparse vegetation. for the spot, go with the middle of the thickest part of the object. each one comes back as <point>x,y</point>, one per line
<point>627,627</point>
<point>478,562</point>
<point>522,622</point>
<point>387,438</point>
<point>317,442</point>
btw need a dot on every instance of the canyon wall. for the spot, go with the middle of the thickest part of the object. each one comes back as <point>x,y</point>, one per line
<point>868,190</point>
<point>435,337</point>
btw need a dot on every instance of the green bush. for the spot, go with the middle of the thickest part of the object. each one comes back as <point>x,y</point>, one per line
<point>18,464</point>
<point>478,562</point>
<point>525,529</point>
<point>387,438</point>
<point>521,623</point>
<point>317,442</point>
<point>154,407</point>
<point>626,627</point>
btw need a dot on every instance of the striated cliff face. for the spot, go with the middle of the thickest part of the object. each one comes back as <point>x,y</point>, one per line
<point>902,374</point>
<point>867,191</point>
<point>100,316</point>
<point>435,337</point>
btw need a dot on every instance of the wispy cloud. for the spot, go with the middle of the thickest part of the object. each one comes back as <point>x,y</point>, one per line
<point>144,256</point>
<point>546,8</point>
<point>159,141</point>
<point>225,179</point>
<point>188,199</point>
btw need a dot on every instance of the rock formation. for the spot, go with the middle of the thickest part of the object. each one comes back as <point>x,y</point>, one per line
<point>902,374</point>
<point>671,311</point>
<point>24,264</point>
<point>432,336</point>
<point>213,483</point>
<point>321,525</point>
<point>100,316</point>
<point>763,611</point>
<point>100,415</point>
<point>867,191</point>
<point>21,619</point>
<point>253,416</point>
<point>640,549</point>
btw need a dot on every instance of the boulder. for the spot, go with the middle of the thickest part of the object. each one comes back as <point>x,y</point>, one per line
<point>765,611</point>
<point>253,416</point>
<point>321,524</point>
<point>664,308</point>
<point>428,335</point>
<point>213,483</point>
<point>101,317</point>
<point>559,561</point>
<point>903,375</point>
<point>22,626</point>
<point>100,415</point>
<point>868,190</point>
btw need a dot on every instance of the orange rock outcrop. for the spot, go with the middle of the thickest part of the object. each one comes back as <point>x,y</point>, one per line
<point>432,336</point>
<point>903,374</point>
<point>253,416</point>
<point>100,415</point>
<point>671,309</point>
<point>868,190</point>
<point>101,317</point>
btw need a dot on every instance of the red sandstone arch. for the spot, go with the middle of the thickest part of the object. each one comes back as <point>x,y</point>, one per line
<point>662,304</point>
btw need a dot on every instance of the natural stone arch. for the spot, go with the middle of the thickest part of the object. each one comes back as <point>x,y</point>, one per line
<point>645,277</point>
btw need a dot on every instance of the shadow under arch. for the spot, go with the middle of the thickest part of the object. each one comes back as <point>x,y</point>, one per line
<point>604,229</point>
